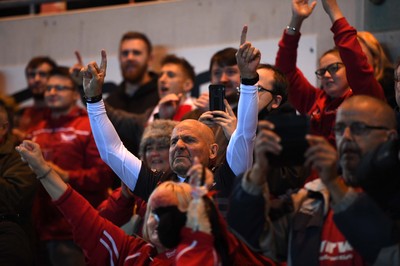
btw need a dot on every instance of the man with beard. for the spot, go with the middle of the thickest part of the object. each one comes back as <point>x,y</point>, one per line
<point>138,91</point>
<point>69,147</point>
<point>36,72</point>
<point>300,228</point>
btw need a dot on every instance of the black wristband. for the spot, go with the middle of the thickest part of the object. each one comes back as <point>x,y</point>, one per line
<point>93,99</point>
<point>249,81</point>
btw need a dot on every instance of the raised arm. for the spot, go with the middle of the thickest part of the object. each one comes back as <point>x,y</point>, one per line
<point>360,74</point>
<point>302,94</point>
<point>332,9</point>
<point>112,151</point>
<point>240,148</point>
<point>94,234</point>
<point>301,9</point>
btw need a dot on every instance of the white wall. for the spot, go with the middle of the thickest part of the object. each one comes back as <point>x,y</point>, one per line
<point>193,28</point>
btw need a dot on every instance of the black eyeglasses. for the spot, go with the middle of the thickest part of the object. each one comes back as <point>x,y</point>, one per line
<point>356,128</point>
<point>260,89</point>
<point>42,74</point>
<point>332,69</point>
<point>59,88</point>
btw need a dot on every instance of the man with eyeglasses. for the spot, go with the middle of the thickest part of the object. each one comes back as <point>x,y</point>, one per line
<point>37,72</point>
<point>69,147</point>
<point>300,228</point>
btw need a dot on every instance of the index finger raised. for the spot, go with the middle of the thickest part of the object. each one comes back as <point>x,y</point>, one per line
<point>103,64</point>
<point>79,58</point>
<point>243,36</point>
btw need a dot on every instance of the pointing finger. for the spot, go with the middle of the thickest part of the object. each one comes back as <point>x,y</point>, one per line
<point>103,64</point>
<point>244,35</point>
<point>79,58</point>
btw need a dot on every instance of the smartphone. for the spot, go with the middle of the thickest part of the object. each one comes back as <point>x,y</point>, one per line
<point>292,129</point>
<point>217,96</point>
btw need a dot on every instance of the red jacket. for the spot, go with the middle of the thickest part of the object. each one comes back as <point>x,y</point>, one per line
<point>313,101</point>
<point>68,143</point>
<point>106,244</point>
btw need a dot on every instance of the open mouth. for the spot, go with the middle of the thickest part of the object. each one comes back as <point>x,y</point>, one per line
<point>156,161</point>
<point>164,89</point>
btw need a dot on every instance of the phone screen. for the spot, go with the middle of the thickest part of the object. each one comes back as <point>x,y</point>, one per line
<point>217,95</point>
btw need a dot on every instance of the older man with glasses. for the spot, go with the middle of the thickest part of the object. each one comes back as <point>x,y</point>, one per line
<point>301,228</point>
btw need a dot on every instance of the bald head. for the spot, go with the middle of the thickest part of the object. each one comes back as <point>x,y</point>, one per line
<point>190,139</point>
<point>362,124</point>
<point>199,127</point>
<point>374,110</point>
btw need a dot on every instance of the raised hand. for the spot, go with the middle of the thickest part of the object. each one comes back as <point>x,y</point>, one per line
<point>248,57</point>
<point>93,76</point>
<point>75,70</point>
<point>200,175</point>
<point>200,178</point>
<point>302,8</point>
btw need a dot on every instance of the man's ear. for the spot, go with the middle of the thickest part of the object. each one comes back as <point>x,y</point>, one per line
<point>188,85</point>
<point>276,101</point>
<point>213,151</point>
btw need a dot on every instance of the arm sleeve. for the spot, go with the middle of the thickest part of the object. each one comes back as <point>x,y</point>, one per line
<point>301,93</point>
<point>112,151</point>
<point>102,242</point>
<point>129,126</point>
<point>196,248</point>
<point>117,208</point>
<point>240,148</point>
<point>360,75</point>
<point>359,218</point>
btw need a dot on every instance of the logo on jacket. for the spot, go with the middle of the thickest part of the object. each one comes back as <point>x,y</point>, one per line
<point>67,138</point>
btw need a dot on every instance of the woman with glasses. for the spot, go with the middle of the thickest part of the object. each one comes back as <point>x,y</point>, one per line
<point>343,70</point>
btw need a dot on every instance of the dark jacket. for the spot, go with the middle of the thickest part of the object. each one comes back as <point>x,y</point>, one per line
<point>144,98</point>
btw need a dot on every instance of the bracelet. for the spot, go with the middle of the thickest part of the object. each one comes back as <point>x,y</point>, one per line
<point>249,81</point>
<point>93,99</point>
<point>45,174</point>
<point>289,28</point>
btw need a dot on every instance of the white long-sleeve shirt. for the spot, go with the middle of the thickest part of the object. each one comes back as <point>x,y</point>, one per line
<point>239,153</point>
<point>127,166</point>
<point>112,150</point>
